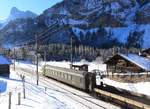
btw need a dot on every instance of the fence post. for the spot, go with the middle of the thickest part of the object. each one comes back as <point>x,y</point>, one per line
<point>19,98</point>
<point>24,96</point>
<point>9,105</point>
<point>23,81</point>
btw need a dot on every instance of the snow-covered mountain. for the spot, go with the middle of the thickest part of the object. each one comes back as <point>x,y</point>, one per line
<point>1,23</point>
<point>103,23</point>
<point>100,23</point>
<point>16,14</point>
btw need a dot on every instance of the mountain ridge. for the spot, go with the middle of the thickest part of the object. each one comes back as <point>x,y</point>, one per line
<point>15,13</point>
<point>93,22</point>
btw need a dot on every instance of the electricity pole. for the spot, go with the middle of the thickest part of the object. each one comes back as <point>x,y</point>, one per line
<point>45,56</point>
<point>36,47</point>
<point>71,50</point>
<point>14,58</point>
<point>71,55</point>
<point>14,47</point>
<point>44,60</point>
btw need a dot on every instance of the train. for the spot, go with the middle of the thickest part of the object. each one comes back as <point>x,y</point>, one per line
<point>86,81</point>
<point>80,79</point>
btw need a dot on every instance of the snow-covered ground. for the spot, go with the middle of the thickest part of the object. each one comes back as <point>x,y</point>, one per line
<point>141,87</point>
<point>36,97</point>
<point>48,95</point>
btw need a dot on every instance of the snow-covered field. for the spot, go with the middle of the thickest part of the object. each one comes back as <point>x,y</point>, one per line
<point>141,87</point>
<point>48,95</point>
<point>36,97</point>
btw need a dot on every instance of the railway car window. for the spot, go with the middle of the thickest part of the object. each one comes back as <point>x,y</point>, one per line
<point>80,80</point>
<point>62,75</point>
<point>73,78</point>
<point>58,73</point>
<point>65,76</point>
<point>69,77</point>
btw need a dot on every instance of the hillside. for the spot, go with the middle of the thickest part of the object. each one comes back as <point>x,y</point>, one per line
<point>90,22</point>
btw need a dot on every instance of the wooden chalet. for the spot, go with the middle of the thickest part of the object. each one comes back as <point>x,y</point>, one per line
<point>127,63</point>
<point>4,66</point>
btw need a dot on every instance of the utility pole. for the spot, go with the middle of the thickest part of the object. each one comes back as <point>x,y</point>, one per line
<point>14,49</point>
<point>14,59</point>
<point>71,55</point>
<point>45,55</point>
<point>36,47</point>
<point>44,60</point>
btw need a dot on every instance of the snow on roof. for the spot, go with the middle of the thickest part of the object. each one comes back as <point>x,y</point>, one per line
<point>4,60</point>
<point>140,61</point>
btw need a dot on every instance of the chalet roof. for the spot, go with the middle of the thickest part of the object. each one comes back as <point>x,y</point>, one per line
<point>140,61</point>
<point>4,60</point>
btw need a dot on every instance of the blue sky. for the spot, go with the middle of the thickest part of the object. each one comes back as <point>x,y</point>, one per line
<point>37,6</point>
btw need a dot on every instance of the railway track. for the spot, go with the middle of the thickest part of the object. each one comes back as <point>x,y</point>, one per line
<point>74,94</point>
<point>84,100</point>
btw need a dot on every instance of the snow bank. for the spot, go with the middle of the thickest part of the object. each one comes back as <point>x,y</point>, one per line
<point>133,87</point>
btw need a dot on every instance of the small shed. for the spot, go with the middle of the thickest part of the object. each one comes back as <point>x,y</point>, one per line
<point>125,63</point>
<point>4,66</point>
